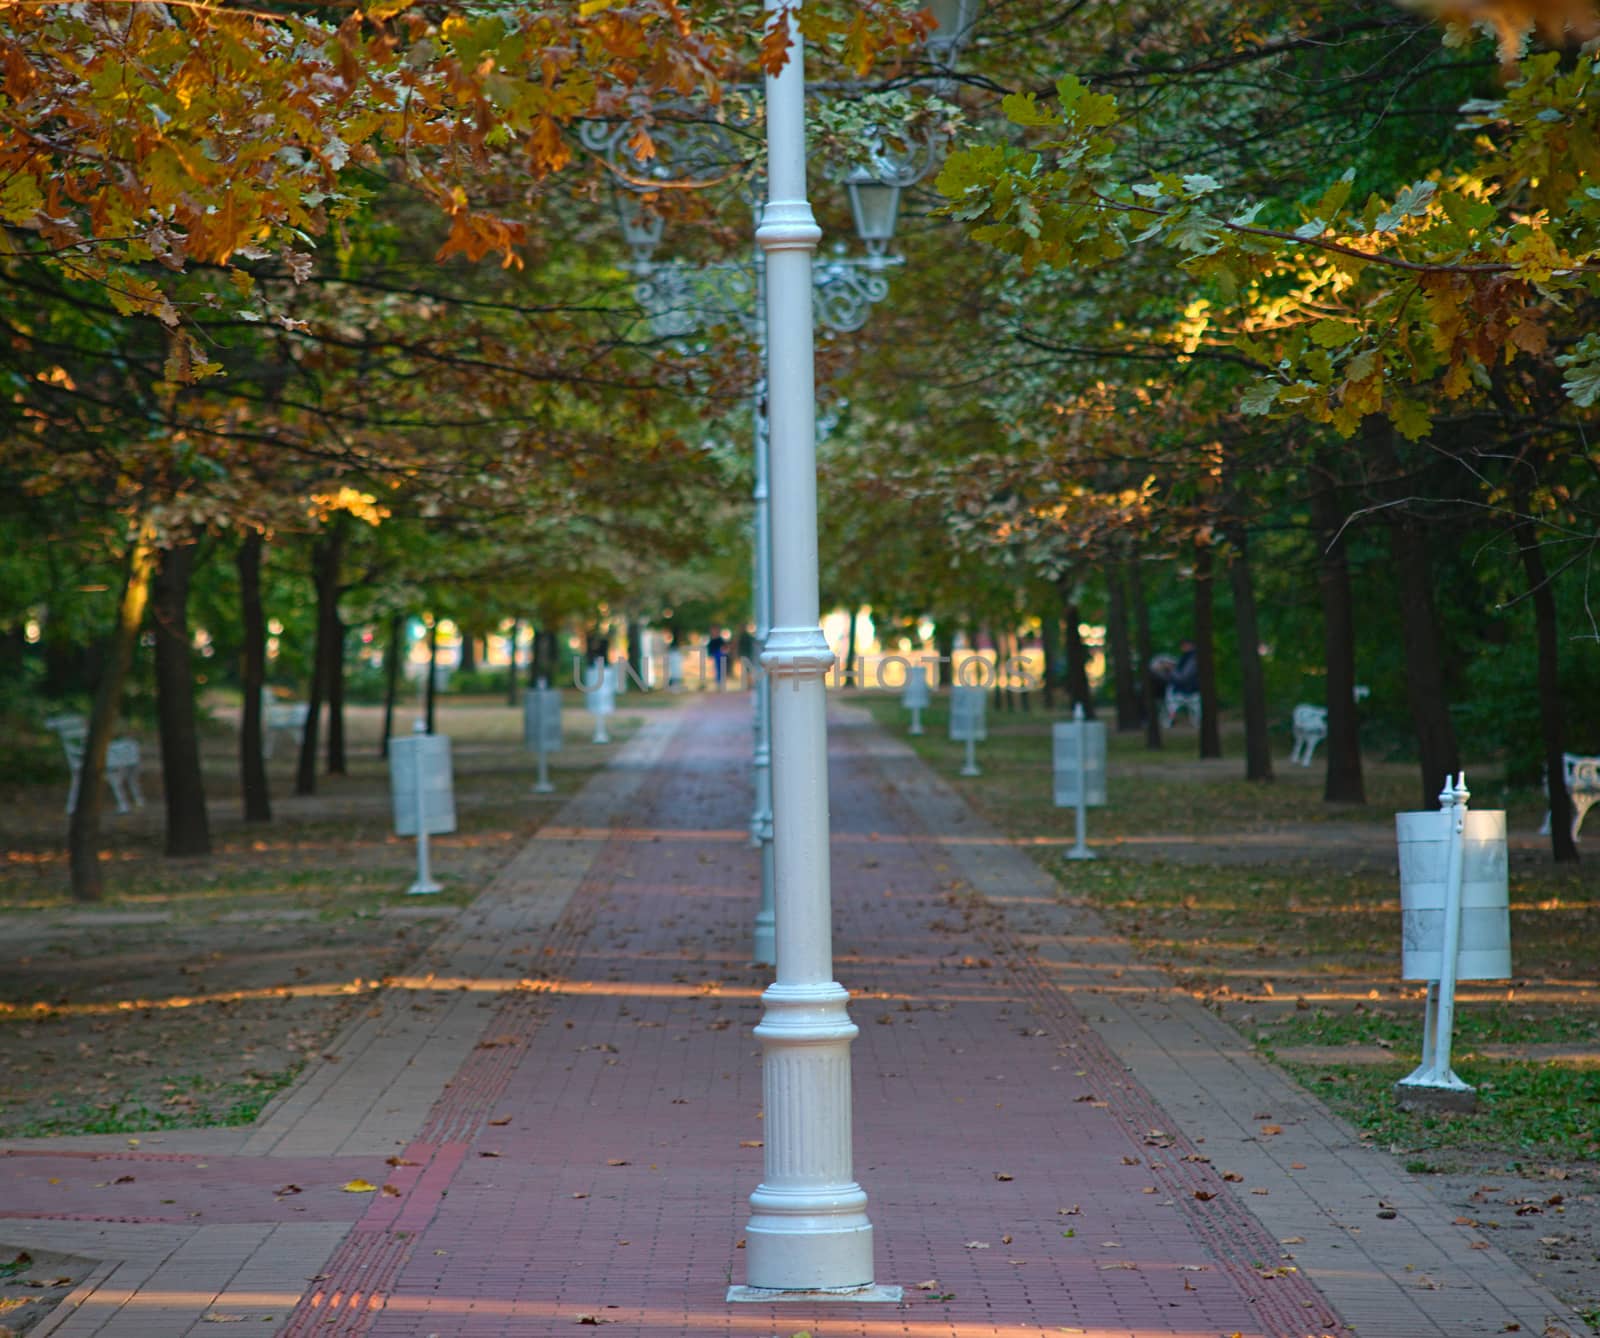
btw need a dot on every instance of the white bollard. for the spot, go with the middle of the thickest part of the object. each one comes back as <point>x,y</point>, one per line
<point>968,723</point>
<point>1080,771</point>
<point>541,730</point>
<point>1456,925</point>
<point>914,695</point>
<point>600,697</point>
<point>422,795</point>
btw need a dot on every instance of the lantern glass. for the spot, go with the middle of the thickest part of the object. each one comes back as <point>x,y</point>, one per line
<point>955,19</point>
<point>875,206</point>
<point>641,226</point>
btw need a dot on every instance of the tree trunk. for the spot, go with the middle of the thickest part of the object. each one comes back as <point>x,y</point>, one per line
<point>255,795</point>
<point>326,552</point>
<point>850,677</point>
<point>1252,680</point>
<point>432,687</point>
<point>1050,645</point>
<point>83,831</point>
<point>542,663</point>
<point>391,676</point>
<point>1551,725</point>
<point>1344,783</point>
<point>328,607</point>
<point>944,646</point>
<point>1077,656</point>
<point>511,668</point>
<point>636,650</point>
<point>1151,696</point>
<point>182,782</point>
<point>1205,649</point>
<point>1419,630</point>
<point>468,663</point>
<point>1122,669</point>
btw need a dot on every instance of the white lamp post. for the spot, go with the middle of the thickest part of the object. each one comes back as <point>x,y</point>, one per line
<point>808,1231</point>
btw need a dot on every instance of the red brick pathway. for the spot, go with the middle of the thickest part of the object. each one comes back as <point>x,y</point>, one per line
<point>590,1162</point>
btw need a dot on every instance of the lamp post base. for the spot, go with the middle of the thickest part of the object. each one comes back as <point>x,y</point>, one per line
<point>801,1255</point>
<point>766,1295</point>
<point>1081,852</point>
<point>1454,1097</point>
<point>422,888</point>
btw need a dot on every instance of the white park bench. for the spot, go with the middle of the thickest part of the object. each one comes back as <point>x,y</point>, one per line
<point>1583,787</point>
<point>1310,729</point>
<point>122,761</point>
<point>276,715</point>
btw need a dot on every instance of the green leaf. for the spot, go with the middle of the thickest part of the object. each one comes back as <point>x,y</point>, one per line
<point>1582,381</point>
<point>1411,419</point>
<point>1081,106</point>
<point>1332,333</point>
<point>1024,109</point>
<point>1259,398</point>
<point>1411,201</point>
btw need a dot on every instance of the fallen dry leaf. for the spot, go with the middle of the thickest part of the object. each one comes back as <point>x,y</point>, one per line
<point>616,1161</point>
<point>977,1245</point>
<point>931,1285</point>
<point>391,1192</point>
<point>359,1187</point>
<point>1271,1130</point>
<point>751,1143</point>
<point>1233,1176</point>
<point>503,1120</point>
<point>1204,1195</point>
<point>1002,1175</point>
<point>400,1161</point>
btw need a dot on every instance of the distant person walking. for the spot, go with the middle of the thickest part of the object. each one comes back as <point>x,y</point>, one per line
<point>1186,673</point>
<point>717,648</point>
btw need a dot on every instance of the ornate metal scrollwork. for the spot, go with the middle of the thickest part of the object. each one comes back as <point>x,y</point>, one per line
<point>680,300</point>
<point>845,291</point>
<point>682,144</point>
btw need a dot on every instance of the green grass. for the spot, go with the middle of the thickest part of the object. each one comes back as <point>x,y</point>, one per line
<point>1166,791</point>
<point>1307,926</point>
<point>1481,1024</point>
<point>216,1105</point>
<point>1526,1112</point>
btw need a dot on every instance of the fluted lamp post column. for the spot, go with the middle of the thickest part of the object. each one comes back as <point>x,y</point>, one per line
<point>808,1231</point>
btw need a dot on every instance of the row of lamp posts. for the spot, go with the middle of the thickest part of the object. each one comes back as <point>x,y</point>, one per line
<point>808,1231</point>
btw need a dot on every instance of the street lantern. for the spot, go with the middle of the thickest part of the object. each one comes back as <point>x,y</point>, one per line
<point>642,226</point>
<point>875,206</point>
<point>955,19</point>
